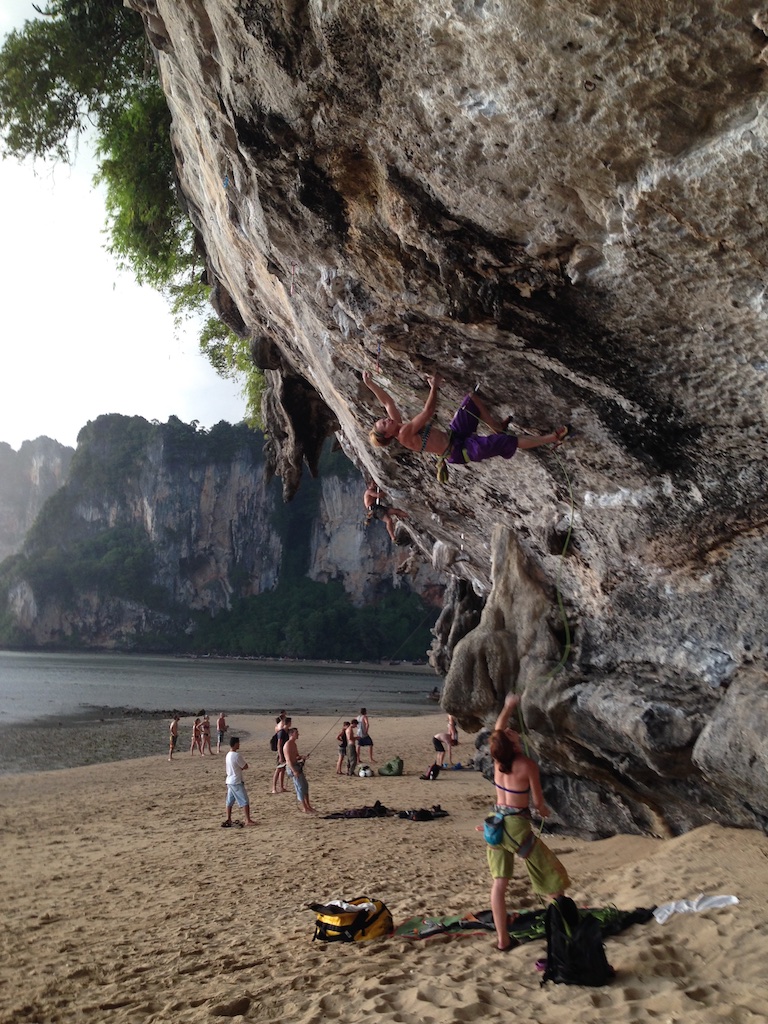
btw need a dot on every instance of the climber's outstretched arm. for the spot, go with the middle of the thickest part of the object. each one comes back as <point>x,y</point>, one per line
<point>421,419</point>
<point>386,400</point>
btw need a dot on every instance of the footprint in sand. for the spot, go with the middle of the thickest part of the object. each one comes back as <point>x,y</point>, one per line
<point>237,1008</point>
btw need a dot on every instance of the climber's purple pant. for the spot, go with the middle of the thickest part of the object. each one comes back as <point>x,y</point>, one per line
<point>477,447</point>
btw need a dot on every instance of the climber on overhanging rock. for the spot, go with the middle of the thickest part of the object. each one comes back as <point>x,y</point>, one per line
<point>462,444</point>
<point>377,507</point>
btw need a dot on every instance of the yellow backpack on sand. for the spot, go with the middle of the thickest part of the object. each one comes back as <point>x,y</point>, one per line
<point>351,920</point>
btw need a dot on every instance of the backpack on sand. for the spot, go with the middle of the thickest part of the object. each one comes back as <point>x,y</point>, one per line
<point>431,773</point>
<point>392,767</point>
<point>351,921</point>
<point>575,950</point>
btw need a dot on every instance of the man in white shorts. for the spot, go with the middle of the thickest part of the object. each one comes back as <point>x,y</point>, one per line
<point>236,791</point>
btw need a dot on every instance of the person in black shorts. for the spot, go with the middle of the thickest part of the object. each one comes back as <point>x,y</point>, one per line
<point>278,779</point>
<point>441,741</point>
<point>341,739</point>
<point>363,736</point>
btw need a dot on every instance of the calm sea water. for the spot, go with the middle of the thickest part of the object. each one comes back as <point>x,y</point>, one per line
<point>35,686</point>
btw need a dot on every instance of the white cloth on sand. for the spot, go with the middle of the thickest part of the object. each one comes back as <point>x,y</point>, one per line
<point>702,902</point>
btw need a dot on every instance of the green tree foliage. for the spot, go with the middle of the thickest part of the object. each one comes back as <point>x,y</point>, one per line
<point>62,73</point>
<point>110,451</point>
<point>193,445</point>
<point>313,620</point>
<point>115,562</point>
<point>86,64</point>
<point>149,232</point>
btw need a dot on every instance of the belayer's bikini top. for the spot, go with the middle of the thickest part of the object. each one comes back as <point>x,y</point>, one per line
<point>518,792</point>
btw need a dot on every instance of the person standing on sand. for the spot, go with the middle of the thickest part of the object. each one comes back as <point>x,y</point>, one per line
<point>236,791</point>
<point>221,728</point>
<point>280,721</point>
<point>352,747</point>
<point>197,737</point>
<point>281,732</point>
<point>173,736</point>
<point>341,739</point>
<point>453,732</point>
<point>295,768</point>
<point>518,783</point>
<point>205,735</point>
<point>363,736</point>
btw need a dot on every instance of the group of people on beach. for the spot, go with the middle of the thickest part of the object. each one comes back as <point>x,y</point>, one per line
<point>353,738</point>
<point>289,762</point>
<point>201,734</point>
<point>516,779</point>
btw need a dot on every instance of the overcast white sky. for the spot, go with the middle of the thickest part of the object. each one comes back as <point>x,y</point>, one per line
<point>78,338</point>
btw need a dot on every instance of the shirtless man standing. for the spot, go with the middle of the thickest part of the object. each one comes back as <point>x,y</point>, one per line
<point>221,728</point>
<point>352,747</point>
<point>363,736</point>
<point>295,768</point>
<point>173,737</point>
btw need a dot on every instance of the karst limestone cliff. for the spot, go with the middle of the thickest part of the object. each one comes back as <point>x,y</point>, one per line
<point>564,205</point>
<point>157,522</point>
<point>28,477</point>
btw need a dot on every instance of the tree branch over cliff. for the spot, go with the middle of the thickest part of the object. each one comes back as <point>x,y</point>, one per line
<point>86,65</point>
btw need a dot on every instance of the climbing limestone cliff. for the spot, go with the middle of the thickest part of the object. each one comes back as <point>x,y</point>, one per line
<point>564,206</point>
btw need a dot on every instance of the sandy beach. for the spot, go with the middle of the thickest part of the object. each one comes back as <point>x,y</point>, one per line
<point>125,900</point>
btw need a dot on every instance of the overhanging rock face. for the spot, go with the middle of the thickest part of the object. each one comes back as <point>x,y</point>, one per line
<point>562,204</point>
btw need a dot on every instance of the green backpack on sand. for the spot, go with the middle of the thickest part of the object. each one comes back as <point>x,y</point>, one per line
<point>393,767</point>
